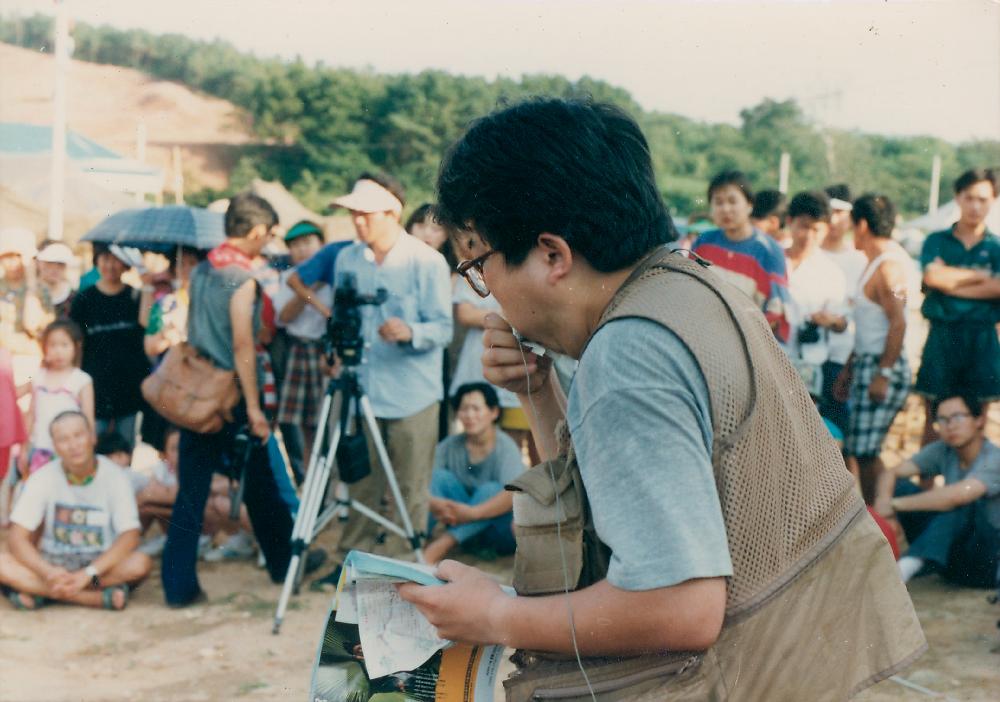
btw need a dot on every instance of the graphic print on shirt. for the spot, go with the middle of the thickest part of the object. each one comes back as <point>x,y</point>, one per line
<point>79,528</point>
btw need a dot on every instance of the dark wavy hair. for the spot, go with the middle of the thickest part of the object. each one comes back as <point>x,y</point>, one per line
<point>574,168</point>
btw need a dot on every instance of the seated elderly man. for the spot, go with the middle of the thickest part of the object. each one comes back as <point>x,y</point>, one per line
<point>87,551</point>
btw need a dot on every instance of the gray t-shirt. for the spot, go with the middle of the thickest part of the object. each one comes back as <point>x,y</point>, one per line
<point>641,425</point>
<point>940,459</point>
<point>502,466</point>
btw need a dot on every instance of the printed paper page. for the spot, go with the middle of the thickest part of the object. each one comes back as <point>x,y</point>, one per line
<point>394,635</point>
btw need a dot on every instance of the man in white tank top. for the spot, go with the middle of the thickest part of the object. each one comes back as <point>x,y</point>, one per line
<point>877,372</point>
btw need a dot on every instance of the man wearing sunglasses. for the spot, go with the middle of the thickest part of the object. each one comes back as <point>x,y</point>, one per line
<point>693,526</point>
<point>955,528</point>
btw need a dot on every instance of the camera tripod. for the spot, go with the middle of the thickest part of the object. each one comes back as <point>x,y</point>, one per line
<point>314,512</point>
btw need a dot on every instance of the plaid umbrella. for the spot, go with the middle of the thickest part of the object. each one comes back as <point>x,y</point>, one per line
<point>161,229</point>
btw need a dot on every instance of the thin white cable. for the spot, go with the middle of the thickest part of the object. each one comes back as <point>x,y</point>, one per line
<point>562,551</point>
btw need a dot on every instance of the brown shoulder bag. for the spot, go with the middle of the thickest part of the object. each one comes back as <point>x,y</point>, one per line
<point>189,391</point>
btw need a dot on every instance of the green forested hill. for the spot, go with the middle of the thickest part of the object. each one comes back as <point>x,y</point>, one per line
<point>320,126</point>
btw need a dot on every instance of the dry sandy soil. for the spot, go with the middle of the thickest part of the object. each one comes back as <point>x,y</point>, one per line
<point>224,650</point>
<point>106,103</point>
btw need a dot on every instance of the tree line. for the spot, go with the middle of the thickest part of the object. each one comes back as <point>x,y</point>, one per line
<point>319,126</point>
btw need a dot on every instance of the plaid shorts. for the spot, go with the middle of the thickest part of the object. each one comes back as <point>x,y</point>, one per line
<point>302,390</point>
<point>868,421</point>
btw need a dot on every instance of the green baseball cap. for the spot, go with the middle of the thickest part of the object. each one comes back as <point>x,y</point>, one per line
<point>303,228</point>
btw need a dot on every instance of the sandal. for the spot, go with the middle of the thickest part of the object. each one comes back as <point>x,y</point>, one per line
<point>108,597</point>
<point>37,601</point>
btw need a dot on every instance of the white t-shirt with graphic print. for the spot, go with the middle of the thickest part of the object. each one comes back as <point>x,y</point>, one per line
<point>80,520</point>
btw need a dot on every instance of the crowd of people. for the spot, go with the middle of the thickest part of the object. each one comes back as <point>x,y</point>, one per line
<point>822,267</point>
<point>841,314</point>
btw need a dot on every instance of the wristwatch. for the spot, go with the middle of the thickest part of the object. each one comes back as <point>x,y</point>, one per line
<point>885,372</point>
<point>95,577</point>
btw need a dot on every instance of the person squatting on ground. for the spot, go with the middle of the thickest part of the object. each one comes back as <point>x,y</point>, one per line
<point>223,322</point>
<point>470,470</point>
<point>876,379</point>
<point>962,278</point>
<point>954,528</point>
<point>693,500</point>
<point>405,339</point>
<point>87,552</point>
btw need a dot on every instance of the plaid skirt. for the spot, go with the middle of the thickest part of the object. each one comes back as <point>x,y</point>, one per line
<point>302,390</point>
<point>868,422</point>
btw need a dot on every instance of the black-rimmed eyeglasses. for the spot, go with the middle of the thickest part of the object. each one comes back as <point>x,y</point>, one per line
<point>472,271</point>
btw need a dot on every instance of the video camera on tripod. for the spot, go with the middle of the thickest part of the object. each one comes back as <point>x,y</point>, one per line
<point>343,328</point>
<point>336,446</point>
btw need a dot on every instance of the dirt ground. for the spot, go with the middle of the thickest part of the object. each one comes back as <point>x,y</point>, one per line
<point>224,650</point>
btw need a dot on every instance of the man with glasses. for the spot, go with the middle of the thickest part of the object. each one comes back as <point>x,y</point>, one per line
<point>690,497</point>
<point>954,528</point>
<point>405,338</point>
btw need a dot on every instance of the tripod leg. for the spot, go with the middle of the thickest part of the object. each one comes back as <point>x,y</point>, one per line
<point>390,474</point>
<point>313,490</point>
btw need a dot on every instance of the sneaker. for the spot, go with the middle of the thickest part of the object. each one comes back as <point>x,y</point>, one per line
<point>239,546</point>
<point>314,560</point>
<point>327,582</point>
<point>204,545</point>
<point>154,547</point>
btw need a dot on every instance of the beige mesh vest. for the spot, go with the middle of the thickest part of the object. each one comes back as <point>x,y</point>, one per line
<point>815,608</point>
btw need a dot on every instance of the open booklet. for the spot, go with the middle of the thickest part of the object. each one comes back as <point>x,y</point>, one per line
<point>378,647</point>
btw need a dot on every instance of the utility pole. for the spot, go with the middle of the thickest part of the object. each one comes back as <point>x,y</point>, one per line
<point>932,201</point>
<point>784,168</point>
<point>58,185</point>
<point>140,152</point>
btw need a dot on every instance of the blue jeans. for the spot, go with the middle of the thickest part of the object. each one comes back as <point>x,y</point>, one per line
<point>200,456</point>
<point>495,533</point>
<point>961,543</point>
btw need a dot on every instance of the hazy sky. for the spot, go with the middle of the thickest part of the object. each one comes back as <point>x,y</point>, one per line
<point>894,67</point>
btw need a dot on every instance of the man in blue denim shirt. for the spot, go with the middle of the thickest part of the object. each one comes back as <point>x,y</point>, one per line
<point>404,341</point>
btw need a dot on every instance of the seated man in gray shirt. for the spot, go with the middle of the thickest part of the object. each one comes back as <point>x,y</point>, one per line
<point>955,528</point>
<point>470,470</point>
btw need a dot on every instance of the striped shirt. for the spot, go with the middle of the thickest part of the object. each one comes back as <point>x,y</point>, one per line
<point>756,266</point>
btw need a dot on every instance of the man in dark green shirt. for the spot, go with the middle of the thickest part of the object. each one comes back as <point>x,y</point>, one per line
<point>962,281</point>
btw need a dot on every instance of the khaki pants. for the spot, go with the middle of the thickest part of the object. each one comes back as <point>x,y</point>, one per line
<point>410,442</point>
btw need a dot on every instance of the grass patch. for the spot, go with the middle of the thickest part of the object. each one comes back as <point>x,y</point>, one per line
<point>247,688</point>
